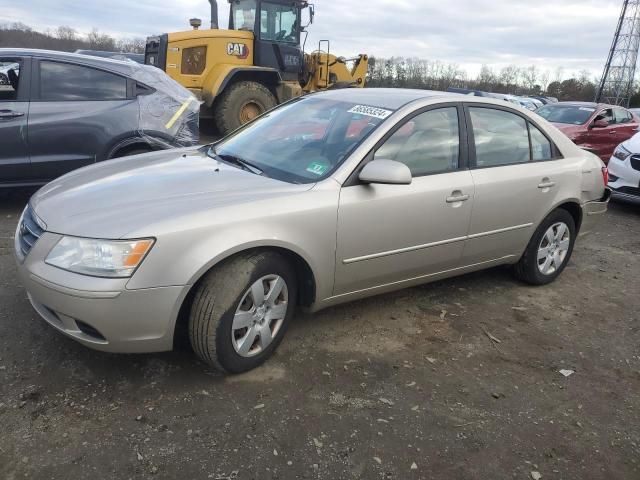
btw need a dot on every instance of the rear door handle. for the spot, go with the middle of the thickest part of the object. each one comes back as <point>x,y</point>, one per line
<point>8,114</point>
<point>612,132</point>
<point>458,197</point>
<point>547,185</point>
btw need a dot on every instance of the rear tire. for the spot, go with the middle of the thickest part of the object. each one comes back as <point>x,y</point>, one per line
<point>240,103</point>
<point>549,249</point>
<point>226,327</point>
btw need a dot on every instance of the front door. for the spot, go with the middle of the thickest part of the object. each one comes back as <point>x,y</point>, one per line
<point>604,139</point>
<point>389,234</point>
<point>15,167</point>
<point>277,43</point>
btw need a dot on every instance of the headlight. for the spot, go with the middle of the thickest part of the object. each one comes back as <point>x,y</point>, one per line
<point>621,153</point>
<point>99,258</point>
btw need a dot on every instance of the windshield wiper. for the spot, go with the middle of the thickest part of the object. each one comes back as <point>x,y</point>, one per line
<point>248,166</point>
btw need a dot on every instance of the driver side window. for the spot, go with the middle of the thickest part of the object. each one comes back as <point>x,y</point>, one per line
<point>9,80</point>
<point>606,115</point>
<point>429,143</point>
<point>278,23</point>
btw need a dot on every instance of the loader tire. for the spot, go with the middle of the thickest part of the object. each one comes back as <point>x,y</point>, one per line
<point>241,103</point>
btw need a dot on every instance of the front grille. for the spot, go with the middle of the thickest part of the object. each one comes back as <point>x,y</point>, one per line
<point>635,162</point>
<point>29,232</point>
<point>635,191</point>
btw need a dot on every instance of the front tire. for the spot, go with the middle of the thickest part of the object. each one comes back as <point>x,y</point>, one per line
<point>549,249</point>
<point>241,311</point>
<point>240,104</point>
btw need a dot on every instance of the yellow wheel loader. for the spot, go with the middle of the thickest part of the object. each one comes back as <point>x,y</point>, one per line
<point>256,64</point>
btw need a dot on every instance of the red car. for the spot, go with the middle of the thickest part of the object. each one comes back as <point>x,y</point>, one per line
<point>596,127</point>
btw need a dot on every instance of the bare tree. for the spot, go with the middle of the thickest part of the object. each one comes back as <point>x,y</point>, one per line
<point>100,41</point>
<point>64,32</point>
<point>530,77</point>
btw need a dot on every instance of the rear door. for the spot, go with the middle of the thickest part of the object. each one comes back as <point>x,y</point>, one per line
<point>626,126</point>
<point>77,113</point>
<point>15,167</point>
<point>517,172</point>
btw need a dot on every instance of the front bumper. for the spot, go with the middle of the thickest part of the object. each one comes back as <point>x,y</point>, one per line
<point>100,313</point>
<point>624,179</point>
<point>592,212</point>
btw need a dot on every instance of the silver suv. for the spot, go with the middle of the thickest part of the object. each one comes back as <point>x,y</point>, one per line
<point>330,198</point>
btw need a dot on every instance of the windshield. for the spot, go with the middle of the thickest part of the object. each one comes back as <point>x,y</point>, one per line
<point>303,141</point>
<point>569,114</point>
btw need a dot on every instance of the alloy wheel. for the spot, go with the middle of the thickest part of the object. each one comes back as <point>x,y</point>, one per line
<point>260,316</point>
<point>554,248</point>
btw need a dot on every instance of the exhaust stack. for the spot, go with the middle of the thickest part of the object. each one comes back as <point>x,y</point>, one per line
<point>214,14</point>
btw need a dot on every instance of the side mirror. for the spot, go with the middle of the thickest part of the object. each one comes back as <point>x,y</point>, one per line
<point>386,172</point>
<point>600,124</point>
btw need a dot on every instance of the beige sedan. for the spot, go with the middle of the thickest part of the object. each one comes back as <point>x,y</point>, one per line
<point>329,198</point>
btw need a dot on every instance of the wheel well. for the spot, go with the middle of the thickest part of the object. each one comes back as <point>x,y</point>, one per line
<point>304,274</point>
<point>575,211</point>
<point>269,79</point>
<point>124,150</point>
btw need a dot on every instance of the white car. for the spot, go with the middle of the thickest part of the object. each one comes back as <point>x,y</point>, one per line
<point>624,170</point>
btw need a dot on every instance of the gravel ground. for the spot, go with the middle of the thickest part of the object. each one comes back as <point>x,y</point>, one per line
<point>401,386</point>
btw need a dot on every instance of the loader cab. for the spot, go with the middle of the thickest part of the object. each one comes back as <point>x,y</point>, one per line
<point>277,27</point>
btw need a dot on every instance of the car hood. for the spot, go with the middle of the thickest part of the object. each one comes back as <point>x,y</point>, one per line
<point>116,197</point>
<point>633,144</point>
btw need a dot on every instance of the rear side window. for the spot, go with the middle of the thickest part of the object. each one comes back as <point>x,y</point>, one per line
<point>501,138</point>
<point>622,116</point>
<point>428,143</point>
<point>64,82</point>
<point>9,79</point>
<point>541,148</point>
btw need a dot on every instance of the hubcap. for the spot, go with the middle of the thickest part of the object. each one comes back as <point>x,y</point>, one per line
<point>553,248</point>
<point>260,315</point>
<point>249,111</point>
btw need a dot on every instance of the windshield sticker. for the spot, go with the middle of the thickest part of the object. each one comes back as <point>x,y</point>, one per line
<point>371,111</point>
<point>586,109</point>
<point>317,168</point>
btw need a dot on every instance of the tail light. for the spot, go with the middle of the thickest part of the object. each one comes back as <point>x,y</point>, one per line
<point>605,176</point>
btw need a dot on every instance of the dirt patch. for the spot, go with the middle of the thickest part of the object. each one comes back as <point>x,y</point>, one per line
<point>458,379</point>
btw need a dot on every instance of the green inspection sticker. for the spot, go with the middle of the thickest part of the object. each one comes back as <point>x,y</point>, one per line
<point>317,168</point>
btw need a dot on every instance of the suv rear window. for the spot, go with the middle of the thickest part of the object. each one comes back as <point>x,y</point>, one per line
<point>9,80</point>
<point>64,82</point>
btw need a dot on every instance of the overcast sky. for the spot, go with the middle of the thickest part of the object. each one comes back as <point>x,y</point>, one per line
<point>572,34</point>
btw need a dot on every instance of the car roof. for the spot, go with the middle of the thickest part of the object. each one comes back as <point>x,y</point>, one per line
<point>584,104</point>
<point>119,66</point>
<point>392,98</point>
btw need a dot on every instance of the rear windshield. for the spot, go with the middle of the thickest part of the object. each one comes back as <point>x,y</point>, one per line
<point>303,141</point>
<point>569,114</point>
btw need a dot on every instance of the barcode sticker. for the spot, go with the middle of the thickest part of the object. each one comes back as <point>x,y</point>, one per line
<point>374,112</point>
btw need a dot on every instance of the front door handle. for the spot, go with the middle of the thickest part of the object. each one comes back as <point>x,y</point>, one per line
<point>457,197</point>
<point>8,114</point>
<point>612,132</point>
